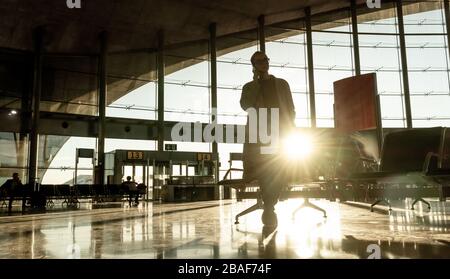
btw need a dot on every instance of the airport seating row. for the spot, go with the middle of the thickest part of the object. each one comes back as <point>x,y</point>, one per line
<point>414,163</point>
<point>70,194</point>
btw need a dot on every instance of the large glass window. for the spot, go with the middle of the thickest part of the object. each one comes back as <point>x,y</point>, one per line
<point>286,48</point>
<point>234,70</point>
<point>333,60</point>
<point>69,85</point>
<point>427,54</point>
<point>132,89</point>
<point>186,84</point>
<point>380,53</point>
<point>14,156</point>
<point>57,160</point>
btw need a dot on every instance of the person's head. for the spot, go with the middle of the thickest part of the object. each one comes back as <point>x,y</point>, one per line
<point>260,62</point>
<point>15,176</point>
<point>128,178</point>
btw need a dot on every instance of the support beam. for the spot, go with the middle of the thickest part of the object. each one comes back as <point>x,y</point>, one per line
<point>378,119</point>
<point>447,25</point>
<point>161,68</point>
<point>25,120</point>
<point>309,50</point>
<point>214,115</point>
<point>102,91</point>
<point>401,31</point>
<point>36,100</point>
<point>213,57</point>
<point>356,58</point>
<point>261,34</point>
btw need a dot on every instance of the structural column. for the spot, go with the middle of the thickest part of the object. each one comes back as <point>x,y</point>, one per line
<point>309,50</point>
<point>22,138</point>
<point>36,100</point>
<point>213,57</point>
<point>447,23</point>
<point>102,86</point>
<point>401,31</point>
<point>161,68</point>
<point>214,112</point>
<point>261,34</point>
<point>355,38</point>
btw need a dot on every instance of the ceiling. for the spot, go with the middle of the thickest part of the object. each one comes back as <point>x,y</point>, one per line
<point>133,25</point>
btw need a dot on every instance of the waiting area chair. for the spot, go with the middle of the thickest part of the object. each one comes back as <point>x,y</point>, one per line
<point>414,163</point>
<point>250,190</point>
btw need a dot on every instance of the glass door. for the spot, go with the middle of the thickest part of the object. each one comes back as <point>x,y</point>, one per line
<point>127,171</point>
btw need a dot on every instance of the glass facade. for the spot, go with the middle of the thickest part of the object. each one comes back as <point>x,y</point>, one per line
<point>14,156</point>
<point>380,53</point>
<point>428,71</point>
<point>70,84</point>
<point>57,160</point>
<point>186,84</point>
<point>132,91</point>
<point>286,48</point>
<point>333,60</point>
<point>234,70</point>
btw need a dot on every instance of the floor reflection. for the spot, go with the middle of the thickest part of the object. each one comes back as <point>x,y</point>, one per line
<point>206,230</point>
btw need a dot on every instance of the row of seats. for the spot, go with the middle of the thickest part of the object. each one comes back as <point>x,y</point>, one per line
<point>71,194</point>
<point>83,190</point>
<point>414,163</point>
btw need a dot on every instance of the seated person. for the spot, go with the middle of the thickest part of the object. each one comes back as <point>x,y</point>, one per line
<point>131,188</point>
<point>11,188</point>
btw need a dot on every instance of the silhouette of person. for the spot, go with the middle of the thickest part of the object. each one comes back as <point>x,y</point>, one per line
<point>11,188</point>
<point>132,189</point>
<point>266,91</point>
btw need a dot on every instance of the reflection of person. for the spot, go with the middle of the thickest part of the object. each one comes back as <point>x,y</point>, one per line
<point>132,189</point>
<point>11,188</point>
<point>267,91</point>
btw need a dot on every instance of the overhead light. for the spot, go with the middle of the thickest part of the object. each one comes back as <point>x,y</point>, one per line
<point>12,112</point>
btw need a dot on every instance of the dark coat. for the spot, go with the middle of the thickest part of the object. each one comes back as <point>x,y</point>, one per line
<point>256,164</point>
<point>11,187</point>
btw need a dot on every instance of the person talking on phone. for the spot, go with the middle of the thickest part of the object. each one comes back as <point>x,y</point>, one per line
<point>266,91</point>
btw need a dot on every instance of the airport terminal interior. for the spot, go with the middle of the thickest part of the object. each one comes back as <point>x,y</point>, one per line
<point>125,132</point>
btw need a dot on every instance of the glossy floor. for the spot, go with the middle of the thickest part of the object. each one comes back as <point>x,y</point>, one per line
<point>207,230</point>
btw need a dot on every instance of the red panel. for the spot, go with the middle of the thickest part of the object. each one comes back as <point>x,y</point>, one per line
<point>355,103</point>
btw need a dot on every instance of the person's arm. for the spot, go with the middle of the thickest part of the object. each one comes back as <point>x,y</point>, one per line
<point>248,97</point>
<point>289,101</point>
